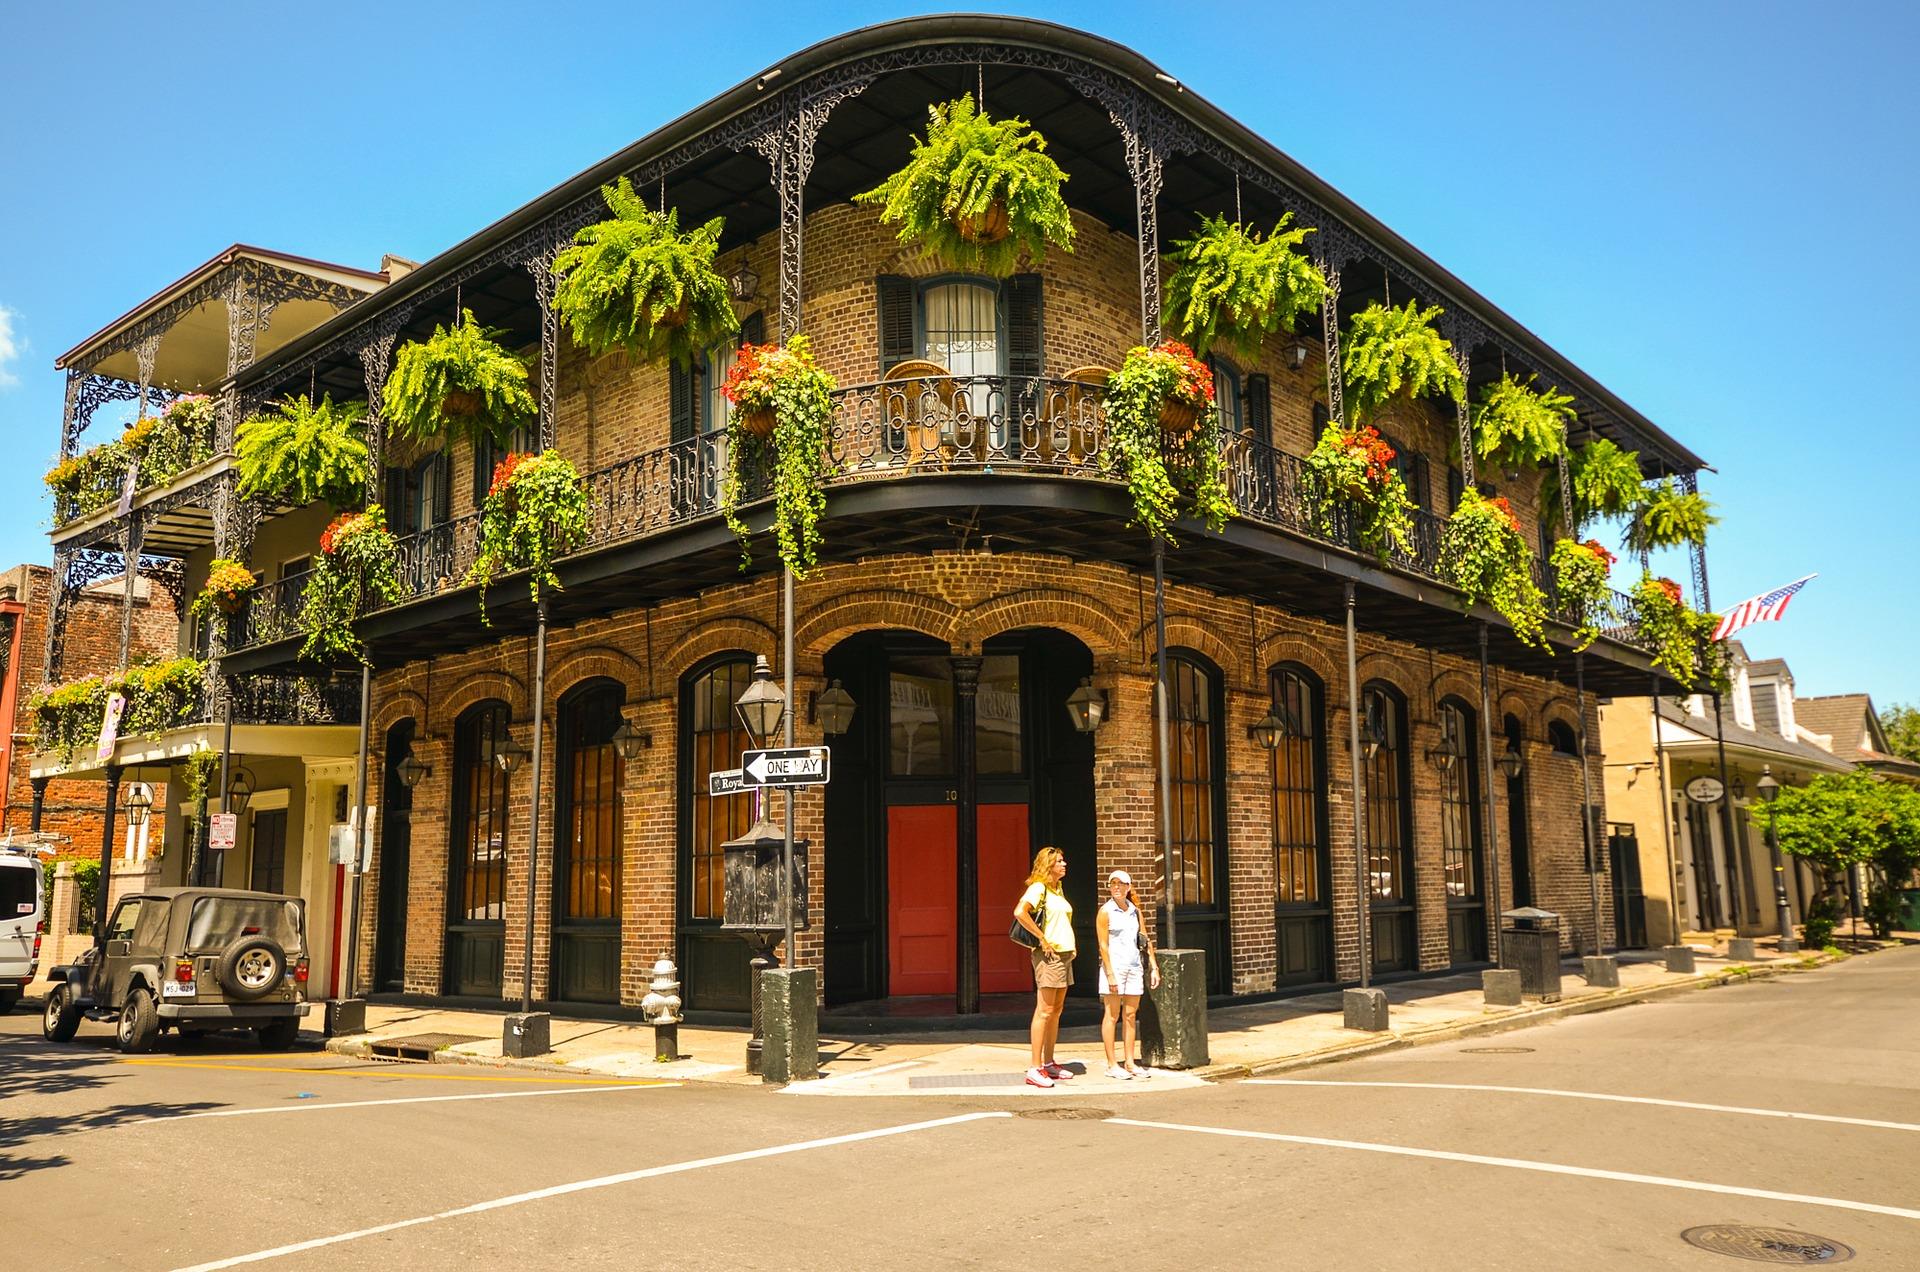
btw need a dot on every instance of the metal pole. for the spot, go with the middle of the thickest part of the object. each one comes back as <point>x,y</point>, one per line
<point>1666,813</point>
<point>359,830</point>
<point>786,799</point>
<point>1354,708</point>
<point>1783,912</point>
<point>1736,869</point>
<point>105,885</point>
<point>1167,941</point>
<point>533,832</point>
<point>1587,837</point>
<point>1486,781</point>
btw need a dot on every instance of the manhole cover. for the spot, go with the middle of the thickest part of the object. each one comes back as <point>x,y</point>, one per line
<point>1497,1051</point>
<point>1069,1113</point>
<point>1766,1245</point>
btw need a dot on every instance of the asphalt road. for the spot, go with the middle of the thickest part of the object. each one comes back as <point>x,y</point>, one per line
<point>1790,1104</point>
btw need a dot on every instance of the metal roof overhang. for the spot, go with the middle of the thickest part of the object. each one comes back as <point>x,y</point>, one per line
<point>866,137</point>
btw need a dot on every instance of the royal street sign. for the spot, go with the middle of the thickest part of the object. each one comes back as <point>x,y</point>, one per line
<point>725,782</point>
<point>789,766</point>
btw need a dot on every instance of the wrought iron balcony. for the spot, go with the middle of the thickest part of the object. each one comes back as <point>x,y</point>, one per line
<point>264,698</point>
<point>1012,427</point>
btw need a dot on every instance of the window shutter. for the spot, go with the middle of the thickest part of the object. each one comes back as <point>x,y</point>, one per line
<point>1321,418</point>
<point>1023,325</point>
<point>753,328</point>
<point>1456,487</point>
<point>895,295</point>
<point>1257,413</point>
<point>680,402</point>
<point>441,476</point>
<point>483,461</point>
<point>393,487</point>
<point>1417,479</point>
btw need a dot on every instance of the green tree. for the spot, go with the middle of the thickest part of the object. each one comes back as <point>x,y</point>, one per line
<point>1841,820</point>
<point>1901,722</point>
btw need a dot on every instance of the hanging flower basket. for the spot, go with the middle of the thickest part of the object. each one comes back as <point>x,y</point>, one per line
<point>1350,478</point>
<point>757,422</point>
<point>1163,438</point>
<point>1580,585</point>
<point>358,570</point>
<point>536,511</point>
<point>782,409</point>
<point>989,226</point>
<point>229,584</point>
<point>1484,554</point>
<point>1681,637</point>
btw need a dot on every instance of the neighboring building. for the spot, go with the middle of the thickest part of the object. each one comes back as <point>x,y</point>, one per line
<point>977,569</point>
<point>1716,857</point>
<point>1847,725</point>
<point>70,808</point>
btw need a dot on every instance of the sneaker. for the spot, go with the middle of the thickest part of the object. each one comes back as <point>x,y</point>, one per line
<point>1115,1072</point>
<point>1059,1073</point>
<point>1138,1073</point>
<point>1039,1078</point>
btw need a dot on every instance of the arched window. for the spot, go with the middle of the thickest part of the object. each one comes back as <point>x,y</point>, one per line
<point>477,853</point>
<point>714,964</point>
<point>587,847</point>
<point>1196,798</point>
<point>1389,831</point>
<point>1460,854</point>
<point>1302,917</point>
<point>1563,740</point>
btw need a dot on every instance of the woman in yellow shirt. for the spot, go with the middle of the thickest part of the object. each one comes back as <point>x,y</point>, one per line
<point>1044,911</point>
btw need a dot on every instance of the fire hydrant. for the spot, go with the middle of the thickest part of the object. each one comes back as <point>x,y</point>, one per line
<point>661,1007</point>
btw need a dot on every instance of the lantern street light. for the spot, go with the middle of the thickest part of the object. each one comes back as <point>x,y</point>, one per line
<point>1273,728</point>
<point>1297,353</point>
<point>1769,791</point>
<point>1446,755</point>
<point>834,709</point>
<point>239,791</point>
<point>1511,763</point>
<point>1373,731</point>
<point>763,705</point>
<point>629,741</point>
<point>1087,706</point>
<point>511,756</point>
<point>411,770</point>
<point>139,804</point>
<point>743,283</point>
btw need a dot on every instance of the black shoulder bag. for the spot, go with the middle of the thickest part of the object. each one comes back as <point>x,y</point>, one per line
<point>1020,936</point>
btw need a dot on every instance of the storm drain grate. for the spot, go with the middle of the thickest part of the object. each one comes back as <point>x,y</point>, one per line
<point>1497,1051</point>
<point>418,1046</point>
<point>1767,1245</point>
<point>1066,1113</point>
<point>929,1082</point>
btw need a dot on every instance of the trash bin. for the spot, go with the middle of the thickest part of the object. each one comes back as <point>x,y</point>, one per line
<point>1910,909</point>
<point>1530,945</point>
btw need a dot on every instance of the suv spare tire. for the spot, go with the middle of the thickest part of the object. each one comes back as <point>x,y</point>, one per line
<point>251,967</point>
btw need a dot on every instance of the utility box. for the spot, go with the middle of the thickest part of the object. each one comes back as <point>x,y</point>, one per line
<point>1530,945</point>
<point>753,882</point>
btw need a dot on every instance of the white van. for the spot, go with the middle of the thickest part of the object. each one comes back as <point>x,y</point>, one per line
<point>22,878</point>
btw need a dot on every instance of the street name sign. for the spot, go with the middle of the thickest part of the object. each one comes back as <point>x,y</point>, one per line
<point>725,782</point>
<point>788,766</point>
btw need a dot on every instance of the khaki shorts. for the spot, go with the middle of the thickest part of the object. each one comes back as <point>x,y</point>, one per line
<point>1052,971</point>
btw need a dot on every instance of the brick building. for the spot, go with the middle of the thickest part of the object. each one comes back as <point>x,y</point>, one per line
<point>978,568</point>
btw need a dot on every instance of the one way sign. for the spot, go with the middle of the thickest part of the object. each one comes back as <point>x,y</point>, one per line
<point>790,766</point>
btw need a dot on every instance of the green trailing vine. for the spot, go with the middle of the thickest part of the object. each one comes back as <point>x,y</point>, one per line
<point>301,452</point>
<point>67,716</point>
<point>1582,584</point>
<point>782,409</point>
<point>977,192</point>
<point>160,695</point>
<point>1388,351</point>
<point>1154,393</point>
<point>1668,517</point>
<point>1232,286</point>
<point>1350,473</point>
<point>1518,427</point>
<point>357,570</point>
<point>1681,636</point>
<point>636,282</point>
<point>536,511</point>
<point>459,383</point>
<point>1606,483</point>
<point>157,448</point>
<point>196,771</point>
<point>1484,554</point>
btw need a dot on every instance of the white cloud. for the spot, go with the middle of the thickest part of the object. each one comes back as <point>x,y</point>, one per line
<point>9,349</point>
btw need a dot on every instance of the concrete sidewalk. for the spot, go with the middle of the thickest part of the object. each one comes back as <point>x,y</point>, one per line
<point>1256,1039</point>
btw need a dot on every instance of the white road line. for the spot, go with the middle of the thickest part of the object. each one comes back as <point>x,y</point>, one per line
<point>1518,1163</point>
<point>604,1181</point>
<point>1598,1095</point>
<point>305,1107</point>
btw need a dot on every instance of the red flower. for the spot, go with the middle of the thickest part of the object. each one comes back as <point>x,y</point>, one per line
<point>338,524</point>
<point>1499,503</point>
<point>1599,549</point>
<point>1671,588</point>
<point>746,368</point>
<point>504,470</point>
<point>1196,377</point>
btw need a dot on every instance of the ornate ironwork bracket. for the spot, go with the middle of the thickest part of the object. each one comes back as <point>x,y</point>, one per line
<point>1330,343</point>
<point>1702,594</point>
<point>74,570</point>
<point>540,265</point>
<point>376,362</point>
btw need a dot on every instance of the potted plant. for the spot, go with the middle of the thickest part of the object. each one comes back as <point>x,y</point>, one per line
<point>1483,553</point>
<point>977,192</point>
<point>1163,437</point>
<point>229,584</point>
<point>1581,583</point>
<point>160,695</point>
<point>461,383</point>
<point>1606,483</point>
<point>1353,470</point>
<point>536,511</point>
<point>1232,286</point>
<point>1667,517</point>
<point>179,438</point>
<point>87,482</point>
<point>67,716</point>
<point>1681,637</point>
<point>358,567</point>
<point>634,281</point>
<point>1389,351</point>
<point>300,452</point>
<point>782,408</point>
<point>1516,426</point>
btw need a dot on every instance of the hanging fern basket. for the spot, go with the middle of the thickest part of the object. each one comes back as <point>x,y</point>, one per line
<point>991,226</point>
<point>461,404</point>
<point>758,421</point>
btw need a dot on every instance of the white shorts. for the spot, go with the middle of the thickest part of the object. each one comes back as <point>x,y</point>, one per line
<point>1131,977</point>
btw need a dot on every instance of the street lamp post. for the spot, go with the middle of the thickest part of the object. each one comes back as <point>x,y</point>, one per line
<point>1769,790</point>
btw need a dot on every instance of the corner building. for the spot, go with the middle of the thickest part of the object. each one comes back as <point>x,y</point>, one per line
<point>977,567</point>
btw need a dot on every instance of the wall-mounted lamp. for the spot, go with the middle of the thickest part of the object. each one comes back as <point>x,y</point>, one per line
<point>511,756</point>
<point>1297,353</point>
<point>1373,731</point>
<point>630,741</point>
<point>743,283</point>
<point>1511,763</point>
<point>1274,728</point>
<point>833,707</point>
<point>239,791</point>
<point>411,770</point>
<point>1446,755</point>
<point>139,804</point>
<point>1087,706</point>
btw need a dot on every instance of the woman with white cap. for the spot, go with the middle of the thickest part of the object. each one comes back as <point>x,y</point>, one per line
<point>1127,967</point>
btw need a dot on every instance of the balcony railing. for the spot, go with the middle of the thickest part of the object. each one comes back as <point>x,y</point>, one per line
<point>984,425</point>
<point>262,698</point>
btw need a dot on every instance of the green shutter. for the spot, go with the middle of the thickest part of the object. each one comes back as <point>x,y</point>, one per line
<point>1023,325</point>
<point>895,296</point>
<point>753,329</point>
<point>1257,414</point>
<point>680,402</point>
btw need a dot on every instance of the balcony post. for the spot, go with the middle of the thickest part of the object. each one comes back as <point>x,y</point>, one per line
<point>1363,879</point>
<point>376,358</point>
<point>70,422</point>
<point>1330,346</point>
<point>1588,831</point>
<point>1463,415</point>
<point>1492,836</point>
<point>134,533</point>
<point>39,803</point>
<point>540,265</point>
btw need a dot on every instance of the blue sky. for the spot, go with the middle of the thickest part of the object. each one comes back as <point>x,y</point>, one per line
<point>1704,205</point>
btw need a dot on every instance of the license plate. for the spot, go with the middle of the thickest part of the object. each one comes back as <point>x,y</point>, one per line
<point>176,989</point>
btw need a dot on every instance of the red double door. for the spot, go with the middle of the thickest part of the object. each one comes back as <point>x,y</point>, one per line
<point>922,898</point>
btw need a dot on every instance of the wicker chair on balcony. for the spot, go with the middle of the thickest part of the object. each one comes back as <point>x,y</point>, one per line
<point>1065,441</point>
<point>918,403</point>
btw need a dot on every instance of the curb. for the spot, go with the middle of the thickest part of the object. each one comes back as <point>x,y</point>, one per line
<point>360,1047</point>
<point>1521,1019</point>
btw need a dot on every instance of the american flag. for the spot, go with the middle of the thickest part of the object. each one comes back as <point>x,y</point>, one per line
<point>1763,608</point>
